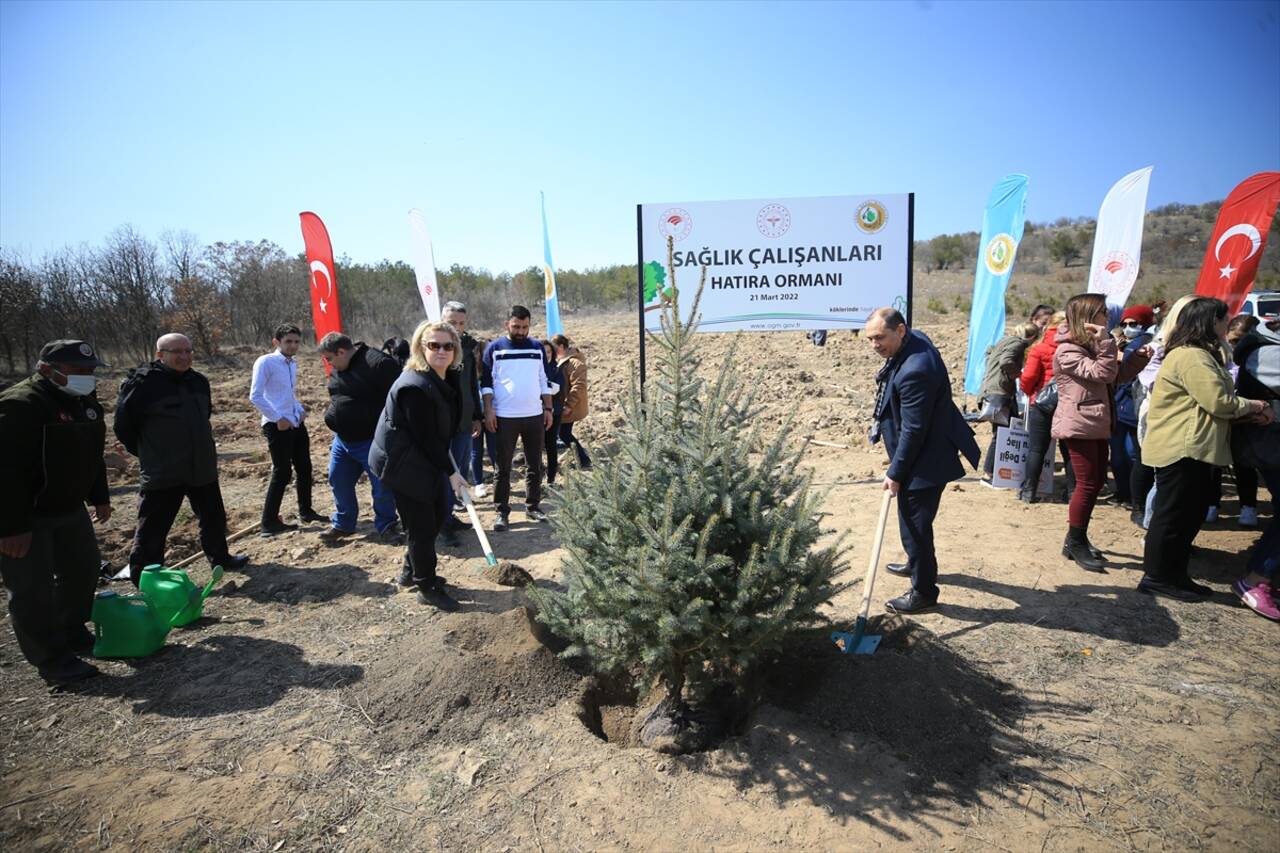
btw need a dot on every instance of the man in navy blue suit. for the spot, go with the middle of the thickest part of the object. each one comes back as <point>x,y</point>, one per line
<point>922,431</point>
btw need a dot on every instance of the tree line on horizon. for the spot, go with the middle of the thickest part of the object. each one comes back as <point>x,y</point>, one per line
<point>122,294</point>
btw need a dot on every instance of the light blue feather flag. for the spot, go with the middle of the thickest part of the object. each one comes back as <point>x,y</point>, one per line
<point>1002,224</point>
<point>549,277</point>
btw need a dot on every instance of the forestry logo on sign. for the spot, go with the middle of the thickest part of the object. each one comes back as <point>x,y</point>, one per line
<point>871,216</point>
<point>773,220</point>
<point>999,254</point>
<point>675,223</point>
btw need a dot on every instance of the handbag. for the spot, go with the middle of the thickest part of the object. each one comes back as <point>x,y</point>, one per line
<point>1047,397</point>
<point>995,410</point>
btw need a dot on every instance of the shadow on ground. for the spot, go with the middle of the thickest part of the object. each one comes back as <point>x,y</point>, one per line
<point>904,735</point>
<point>223,674</point>
<point>1103,611</point>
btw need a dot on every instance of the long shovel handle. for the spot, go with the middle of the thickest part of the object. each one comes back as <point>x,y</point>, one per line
<point>869,586</point>
<point>475,519</point>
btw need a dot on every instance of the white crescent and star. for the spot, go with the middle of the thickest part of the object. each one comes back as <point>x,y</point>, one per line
<point>318,267</point>
<point>1244,229</point>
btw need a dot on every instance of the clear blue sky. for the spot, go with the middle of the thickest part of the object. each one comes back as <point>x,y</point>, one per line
<point>229,119</point>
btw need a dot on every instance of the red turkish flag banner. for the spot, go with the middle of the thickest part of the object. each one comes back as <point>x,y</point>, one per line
<point>325,313</point>
<point>1238,240</point>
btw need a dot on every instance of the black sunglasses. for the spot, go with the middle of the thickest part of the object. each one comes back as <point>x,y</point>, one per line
<point>447,346</point>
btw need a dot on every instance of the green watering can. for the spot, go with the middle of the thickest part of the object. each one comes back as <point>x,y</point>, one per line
<point>126,626</point>
<point>177,601</point>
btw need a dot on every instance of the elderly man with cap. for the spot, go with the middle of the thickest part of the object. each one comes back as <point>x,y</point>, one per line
<point>162,417</point>
<point>52,433</point>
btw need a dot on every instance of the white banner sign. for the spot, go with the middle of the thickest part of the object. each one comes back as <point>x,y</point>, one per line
<point>780,264</point>
<point>424,265</point>
<point>1117,244</point>
<point>1012,447</point>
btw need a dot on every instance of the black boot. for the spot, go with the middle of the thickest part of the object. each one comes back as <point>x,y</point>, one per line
<point>1027,494</point>
<point>1077,548</point>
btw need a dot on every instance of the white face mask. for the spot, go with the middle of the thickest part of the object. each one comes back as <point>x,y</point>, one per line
<point>1132,332</point>
<point>79,386</point>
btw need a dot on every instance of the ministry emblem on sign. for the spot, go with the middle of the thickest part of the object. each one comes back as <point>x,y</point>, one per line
<point>871,216</point>
<point>675,223</point>
<point>1116,272</point>
<point>999,254</point>
<point>773,220</point>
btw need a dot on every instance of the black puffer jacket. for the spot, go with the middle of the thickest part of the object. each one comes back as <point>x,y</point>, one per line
<point>410,451</point>
<point>50,453</point>
<point>357,394</point>
<point>162,417</point>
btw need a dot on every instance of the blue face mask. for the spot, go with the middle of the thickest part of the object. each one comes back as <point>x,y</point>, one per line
<point>1131,332</point>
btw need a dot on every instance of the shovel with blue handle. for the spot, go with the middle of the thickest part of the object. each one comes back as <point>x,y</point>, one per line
<point>858,641</point>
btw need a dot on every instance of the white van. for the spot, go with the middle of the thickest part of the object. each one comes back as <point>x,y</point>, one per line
<point>1263,304</point>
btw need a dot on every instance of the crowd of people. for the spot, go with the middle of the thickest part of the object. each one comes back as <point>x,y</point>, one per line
<point>416,418</point>
<point>1167,401</point>
<point>1163,401</point>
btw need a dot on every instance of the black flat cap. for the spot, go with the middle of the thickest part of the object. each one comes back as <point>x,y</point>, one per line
<point>71,353</point>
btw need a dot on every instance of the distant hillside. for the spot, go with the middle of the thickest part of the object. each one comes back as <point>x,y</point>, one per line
<point>1053,261</point>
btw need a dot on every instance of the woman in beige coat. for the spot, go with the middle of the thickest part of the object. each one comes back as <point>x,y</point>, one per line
<point>574,365</point>
<point>1192,406</point>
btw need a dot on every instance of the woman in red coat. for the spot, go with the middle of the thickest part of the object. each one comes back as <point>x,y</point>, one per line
<point>1036,373</point>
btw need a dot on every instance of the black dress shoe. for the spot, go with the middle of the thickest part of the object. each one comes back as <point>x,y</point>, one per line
<point>899,569</point>
<point>233,563</point>
<point>68,671</point>
<point>312,517</point>
<point>435,596</point>
<point>911,602</point>
<point>334,535</point>
<point>1187,591</point>
<point>275,528</point>
<point>448,538</point>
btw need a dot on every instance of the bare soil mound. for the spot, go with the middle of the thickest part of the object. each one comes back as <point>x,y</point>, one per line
<point>489,669</point>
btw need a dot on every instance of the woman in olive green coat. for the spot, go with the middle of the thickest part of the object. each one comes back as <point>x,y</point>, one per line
<point>1192,406</point>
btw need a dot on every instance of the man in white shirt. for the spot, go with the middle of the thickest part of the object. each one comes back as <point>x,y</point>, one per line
<point>517,405</point>
<point>275,376</point>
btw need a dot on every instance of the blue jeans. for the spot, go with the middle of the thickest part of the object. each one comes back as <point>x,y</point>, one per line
<point>1124,449</point>
<point>346,463</point>
<point>478,449</point>
<point>460,450</point>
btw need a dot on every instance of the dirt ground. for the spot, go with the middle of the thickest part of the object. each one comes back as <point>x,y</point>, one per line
<point>316,706</point>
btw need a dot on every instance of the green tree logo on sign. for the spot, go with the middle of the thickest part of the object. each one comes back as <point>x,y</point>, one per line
<point>871,216</point>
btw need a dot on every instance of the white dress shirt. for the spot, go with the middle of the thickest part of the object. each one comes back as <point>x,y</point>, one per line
<point>272,390</point>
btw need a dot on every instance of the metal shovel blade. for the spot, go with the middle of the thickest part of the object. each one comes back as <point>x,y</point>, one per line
<point>857,641</point>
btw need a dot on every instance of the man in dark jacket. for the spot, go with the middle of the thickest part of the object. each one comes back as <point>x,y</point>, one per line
<point>471,412</point>
<point>162,417</point>
<point>923,431</point>
<point>52,432</point>
<point>358,389</point>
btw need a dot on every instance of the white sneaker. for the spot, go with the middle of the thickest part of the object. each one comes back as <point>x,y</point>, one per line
<point>481,490</point>
<point>1211,516</point>
<point>1248,516</point>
